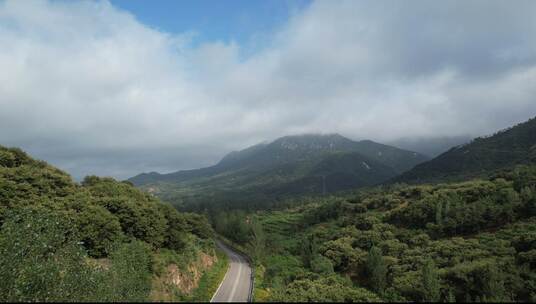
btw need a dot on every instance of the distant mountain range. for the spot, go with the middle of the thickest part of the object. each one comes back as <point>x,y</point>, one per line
<point>291,165</point>
<point>480,157</point>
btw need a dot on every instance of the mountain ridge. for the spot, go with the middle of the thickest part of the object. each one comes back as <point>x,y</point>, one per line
<point>289,165</point>
<point>289,142</point>
<point>506,148</point>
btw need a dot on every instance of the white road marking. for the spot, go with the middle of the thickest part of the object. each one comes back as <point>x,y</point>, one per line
<point>232,287</point>
<point>221,283</point>
<point>237,280</point>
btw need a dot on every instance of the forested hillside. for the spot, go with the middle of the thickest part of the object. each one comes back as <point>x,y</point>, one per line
<point>471,241</point>
<point>515,145</point>
<point>292,166</point>
<point>100,240</point>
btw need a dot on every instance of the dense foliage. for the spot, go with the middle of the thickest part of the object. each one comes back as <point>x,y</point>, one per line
<point>94,241</point>
<point>470,241</point>
<point>42,260</point>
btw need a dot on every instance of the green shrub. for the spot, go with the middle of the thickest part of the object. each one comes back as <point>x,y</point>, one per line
<point>326,289</point>
<point>129,277</point>
<point>42,259</point>
<point>321,265</point>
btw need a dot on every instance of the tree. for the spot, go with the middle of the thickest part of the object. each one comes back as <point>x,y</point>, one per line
<point>377,270</point>
<point>233,226</point>
<point>219,222</point>
<point>528,196</point>
<point>258,240</point>
<point>493,288</point>
<point>176,235</point>
<point>322,265</point>
<point>439,215</point>
<point>98,228</point>
<point>430,282</point>
<point>198,225</point>
<point>309,249</point>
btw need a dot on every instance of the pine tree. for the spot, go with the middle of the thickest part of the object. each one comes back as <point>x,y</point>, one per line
<point>494,290</point>
<point>377,269</point>
<point>258,239</point>
<point>430,282</point>
<point>309,249</point>
<point>439,215</point>
<point>528,195</point>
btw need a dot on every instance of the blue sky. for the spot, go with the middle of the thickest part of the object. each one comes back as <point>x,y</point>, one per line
<point>211,20</point>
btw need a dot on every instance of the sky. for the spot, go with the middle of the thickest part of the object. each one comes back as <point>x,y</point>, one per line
<point>117,88</point>
<point>246,22</point>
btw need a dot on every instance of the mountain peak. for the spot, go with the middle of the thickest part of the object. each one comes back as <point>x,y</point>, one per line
<point>312,142</point>
<point>311,137</point>
<point>291,165</point>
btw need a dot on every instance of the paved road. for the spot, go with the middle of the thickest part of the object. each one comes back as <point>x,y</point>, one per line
<point>237,281</point>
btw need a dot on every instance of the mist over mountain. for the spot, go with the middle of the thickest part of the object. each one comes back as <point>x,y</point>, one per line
<point>430,146</point>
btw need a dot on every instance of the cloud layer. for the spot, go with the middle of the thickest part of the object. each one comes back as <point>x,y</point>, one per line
<point>89,88</point>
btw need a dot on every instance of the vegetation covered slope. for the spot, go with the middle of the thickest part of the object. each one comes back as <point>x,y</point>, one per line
<point>516,145</point>
<point>469,241</point>
<point>289,166</point>
<point>102,240</point>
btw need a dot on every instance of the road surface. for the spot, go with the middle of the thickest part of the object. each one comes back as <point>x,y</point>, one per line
<point>236,284</point>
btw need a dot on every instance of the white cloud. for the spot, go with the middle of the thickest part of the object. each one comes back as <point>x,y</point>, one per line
<point>88,87</point>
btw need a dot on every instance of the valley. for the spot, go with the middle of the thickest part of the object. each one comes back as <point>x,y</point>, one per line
<point>466,234</point>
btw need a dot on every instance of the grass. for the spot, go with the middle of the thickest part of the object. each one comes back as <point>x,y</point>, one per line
<point>209,282</point>
<point>260,294</point>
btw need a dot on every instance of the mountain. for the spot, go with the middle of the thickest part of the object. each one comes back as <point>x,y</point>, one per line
<point>504,149</point>
<point>290,165</point>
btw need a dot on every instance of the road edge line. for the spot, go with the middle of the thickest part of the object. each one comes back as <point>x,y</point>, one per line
<point>223,280</point>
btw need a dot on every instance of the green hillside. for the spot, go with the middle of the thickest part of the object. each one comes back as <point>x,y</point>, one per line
<point>473,241</point>
<point>101,240</point>
<point>516,145</point>
<point>291,166</point>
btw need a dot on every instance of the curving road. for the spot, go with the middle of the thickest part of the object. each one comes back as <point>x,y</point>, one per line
<point>236,284</point>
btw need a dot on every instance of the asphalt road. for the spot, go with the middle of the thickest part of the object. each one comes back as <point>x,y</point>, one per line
<point>237,281</point>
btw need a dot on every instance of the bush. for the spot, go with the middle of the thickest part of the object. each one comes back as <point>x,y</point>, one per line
<point>129,276</point>
<point>321,265</point>
<point>42,259</point>
<point>327,289</point>
<point>98,229</point>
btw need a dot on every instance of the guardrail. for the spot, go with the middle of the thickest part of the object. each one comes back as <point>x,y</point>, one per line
<point>250,262</point>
